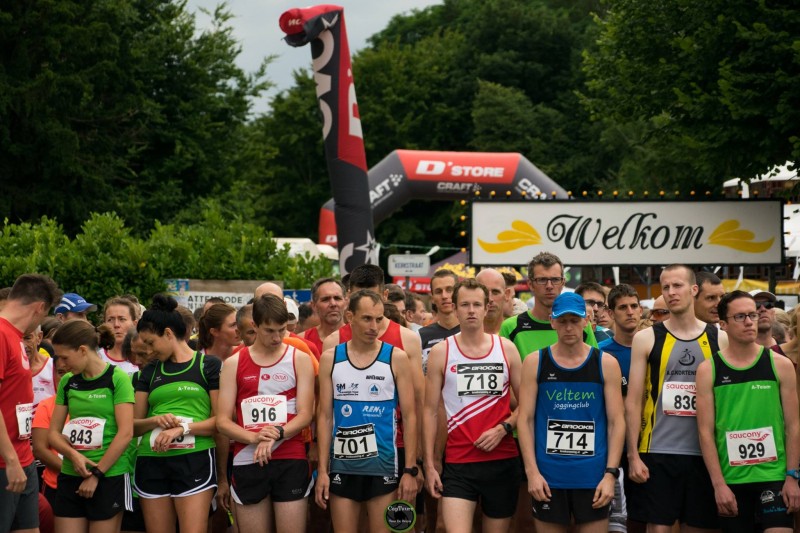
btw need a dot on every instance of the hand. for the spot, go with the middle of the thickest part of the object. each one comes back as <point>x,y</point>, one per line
<point>604,492</point>
<point>791,495</point>
<point>637,470</point>
<point>167,421</point>
<point>82,465</point>
<point>165,438</point>
<point>270,432</point>
<point>263,452</point>
<point>407,489</point>
<point>433,483</point>
<point>224,494</point>
<point>87,488</point>
<point>16,477</point>
<point>726,501</point>
<point>538,488</point>
<point>321,489</point>
<point>490,438</point>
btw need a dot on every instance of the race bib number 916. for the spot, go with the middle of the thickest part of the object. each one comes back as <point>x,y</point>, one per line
<point>264,410</point>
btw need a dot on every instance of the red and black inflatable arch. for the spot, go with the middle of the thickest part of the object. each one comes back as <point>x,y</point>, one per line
<point>409,174</point>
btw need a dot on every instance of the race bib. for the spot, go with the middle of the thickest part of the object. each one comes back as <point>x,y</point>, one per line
<point>479,379</point>
<point>85,433</point>
<point>570,437</point>
<point>24,420</point>
<point>751,446</point>
<point>356,442</point>
<point>184,442</point>
<point>679,398</point>
<point>264,410</point>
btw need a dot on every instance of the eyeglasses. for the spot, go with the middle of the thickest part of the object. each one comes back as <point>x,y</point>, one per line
<point>662,312</point>
<point>595,303</point>
<point>544,281</point>
<point>739,317</point>
<point>765,305</point>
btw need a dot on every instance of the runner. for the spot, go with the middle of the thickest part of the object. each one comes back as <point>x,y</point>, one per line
<point>73,307</point>
<point>472,373</point>
<point>751,453</point>
<point>328,302</point>
<point>659,312</point>
<point>93,488</point>
<point>217,332</point>
<point>499,295</point>
<point>571,426</point>
<point>245,326</point>
<point>176,397</point>
<point>269,388</point>
<point>41,368</point>
<point>29,301</point>
<point>119,314</point>
<point>361,382</point>
<point>709,292</point>
<point>595,298</point>
<point>442,284</point>
<point>664,454</point>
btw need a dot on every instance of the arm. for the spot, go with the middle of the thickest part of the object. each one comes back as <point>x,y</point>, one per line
<point>615,414</point>
<point>413,348</point>
<point>433,396</point>
<point>123,412</point>
<point>537,485</point>
<point>490,438</point>
<point>786,375</point>
<point>60,443</point>
<point>640,350</point>
<point>41,450</point>
<point>324,427</point>
<point>404,378</point>
<point>706,430</point>
<point>227,406</point>
<point>16,475</point>
<point>330,341</point>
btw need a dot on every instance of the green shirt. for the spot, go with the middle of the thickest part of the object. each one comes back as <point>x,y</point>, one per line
<point>92,421</point>
<point>749,425</point>
<point>530,334</point>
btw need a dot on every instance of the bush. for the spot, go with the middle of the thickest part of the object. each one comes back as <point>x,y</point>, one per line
<point>105,259</point>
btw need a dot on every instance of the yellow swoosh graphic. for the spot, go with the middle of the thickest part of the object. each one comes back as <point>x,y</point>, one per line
<point>520,235</point>
<point>728,234</point>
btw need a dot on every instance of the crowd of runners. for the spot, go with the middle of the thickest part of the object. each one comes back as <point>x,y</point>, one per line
<point>581,412</point>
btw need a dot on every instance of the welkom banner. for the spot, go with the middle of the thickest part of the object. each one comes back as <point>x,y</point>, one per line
<point>736,232</point>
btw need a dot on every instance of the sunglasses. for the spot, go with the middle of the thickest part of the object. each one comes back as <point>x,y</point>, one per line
<point>765,305</point>
<point>662,312</point>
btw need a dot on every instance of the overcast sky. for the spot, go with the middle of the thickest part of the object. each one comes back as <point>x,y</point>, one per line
<point>255,26</point>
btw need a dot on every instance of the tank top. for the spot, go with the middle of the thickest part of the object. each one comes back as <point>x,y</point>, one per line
<point>669,422</point>
<point>570,423</point>
<point>185,394</point>
<point>124,364</point>
<point>43,386</point>
<point>476,398</point>
<point>394,336</point>
<point>312,337</point>
<point>363,440</point>
<point>749,420</point>
<point>267,396</point>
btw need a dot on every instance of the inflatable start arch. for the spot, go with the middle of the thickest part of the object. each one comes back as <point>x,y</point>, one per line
<point>411,174</point>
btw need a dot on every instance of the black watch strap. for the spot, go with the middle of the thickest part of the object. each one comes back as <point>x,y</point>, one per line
<point>613,471</point>
<point>280,432</point>
<point>413,471</point>
<point>96,472</point>
<point>509,429</point>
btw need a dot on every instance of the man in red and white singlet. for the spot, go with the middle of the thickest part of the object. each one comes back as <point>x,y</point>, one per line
<point>473,373</point>
<point>269,386</point>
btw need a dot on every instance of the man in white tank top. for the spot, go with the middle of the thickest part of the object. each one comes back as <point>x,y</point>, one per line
<point>473,373</point>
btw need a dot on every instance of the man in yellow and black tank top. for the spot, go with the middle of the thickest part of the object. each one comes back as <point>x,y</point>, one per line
<point>669,479</point>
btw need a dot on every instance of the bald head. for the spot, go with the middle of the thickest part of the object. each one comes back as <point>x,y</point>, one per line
<point>268,288</point>
<point>659,312</point>
<point>499,294</point>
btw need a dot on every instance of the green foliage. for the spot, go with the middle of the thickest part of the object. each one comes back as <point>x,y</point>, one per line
<point>106,259</point>
<point>697,92</point>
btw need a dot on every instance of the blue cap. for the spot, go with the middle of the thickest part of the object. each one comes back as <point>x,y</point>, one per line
<point>569,303</point>
<point>74,303</point>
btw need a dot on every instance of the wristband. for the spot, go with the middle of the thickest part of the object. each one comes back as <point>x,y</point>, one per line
<point>96,472</point>
<point>185,426</point>
<point>280,432</point>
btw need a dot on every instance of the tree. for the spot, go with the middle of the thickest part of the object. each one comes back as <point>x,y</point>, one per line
<point>698,92</point>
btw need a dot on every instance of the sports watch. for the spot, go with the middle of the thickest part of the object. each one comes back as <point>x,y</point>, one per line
<point>412,471</point>
<point>613,471</point>
<point>185,426</point>
<point>793,473</point>
<point>509,429</point>
<point>280,432</point>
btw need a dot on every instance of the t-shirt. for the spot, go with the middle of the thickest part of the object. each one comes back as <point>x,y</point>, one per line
<point>93,422</point>
<point>530,334</point>
<point>16,392</point>
<point>41,420</point>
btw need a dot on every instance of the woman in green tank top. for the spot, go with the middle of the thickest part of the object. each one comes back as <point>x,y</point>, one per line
<point>93,487</point>
<point>176,397</point>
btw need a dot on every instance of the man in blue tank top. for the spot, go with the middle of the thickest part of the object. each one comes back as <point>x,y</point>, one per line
<point>361,382</point>
<point>571,425</point>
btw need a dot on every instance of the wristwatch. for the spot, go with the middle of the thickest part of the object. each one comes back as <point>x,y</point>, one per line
<point>96,472</point>
<point>280,432</point>
<point>185,426</point>
<point>793,473</point>
<point>413,471</point>
<point>613,471</point>
<point>509,429</point>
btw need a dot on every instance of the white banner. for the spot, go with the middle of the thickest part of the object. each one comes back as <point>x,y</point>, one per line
<point>629,233</point>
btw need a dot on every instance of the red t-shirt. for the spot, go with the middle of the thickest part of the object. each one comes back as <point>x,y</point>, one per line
<point>16,391</point>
